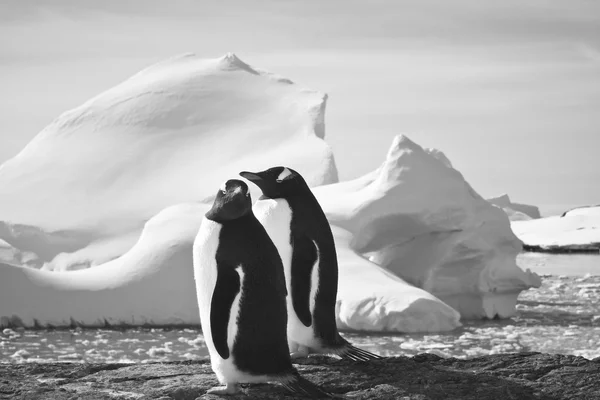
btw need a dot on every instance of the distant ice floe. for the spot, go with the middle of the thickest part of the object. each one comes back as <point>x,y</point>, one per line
<point>111,195</point>
<point>575,230</point>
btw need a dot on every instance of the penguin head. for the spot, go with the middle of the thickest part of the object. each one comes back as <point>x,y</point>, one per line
<point>233,201</point>
<point>277,182</point>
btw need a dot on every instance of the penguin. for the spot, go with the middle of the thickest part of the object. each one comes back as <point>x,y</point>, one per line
<point>241,292</point>
<point>297,225</point>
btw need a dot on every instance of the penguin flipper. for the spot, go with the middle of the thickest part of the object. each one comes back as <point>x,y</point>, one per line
<point>226,289</point>
<point>304,257</point>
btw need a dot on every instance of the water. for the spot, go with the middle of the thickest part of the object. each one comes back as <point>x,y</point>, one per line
<point>560,264</point>
<point>563,316</point>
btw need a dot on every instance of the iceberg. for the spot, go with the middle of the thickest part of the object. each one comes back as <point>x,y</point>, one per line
<point>576,230</point>
<point>80,192</point>
<point>151,284</point>
<point>98,213</point>
<point>91,200</point>
<point>370,298</point>
<point>515,211</point>
<point>417,217</point>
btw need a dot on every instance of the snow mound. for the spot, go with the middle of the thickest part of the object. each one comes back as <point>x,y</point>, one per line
<point>150,284</point>
<point>417,216</point>
<point>516,211</point>
<point>79,193</point>
<point>153,284</point>
<point>576,230</point>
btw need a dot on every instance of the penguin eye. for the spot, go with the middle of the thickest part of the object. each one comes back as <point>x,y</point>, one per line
<point>223,191</point>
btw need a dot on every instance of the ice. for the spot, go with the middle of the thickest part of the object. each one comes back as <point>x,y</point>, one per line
<point>515,211</point>
<point>121,183</point>
<point>80,192</point>
<point>417,216</point>
<point>372,299</point>
<point>578,229</point>
<point>150,284</point>
<point>153,284</point>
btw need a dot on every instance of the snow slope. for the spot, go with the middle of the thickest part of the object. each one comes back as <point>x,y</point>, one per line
<point>515,211</point>
<point>575,230</point>
<point>417,216</point>
<point>79,193</point>
<point>153,284</point>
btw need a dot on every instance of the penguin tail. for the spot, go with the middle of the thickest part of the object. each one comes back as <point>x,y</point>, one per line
<point>303,387</point>
<point>350,352</point>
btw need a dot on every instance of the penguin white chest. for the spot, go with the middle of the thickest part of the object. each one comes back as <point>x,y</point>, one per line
<point>276,217</point>
<point>205,249</point>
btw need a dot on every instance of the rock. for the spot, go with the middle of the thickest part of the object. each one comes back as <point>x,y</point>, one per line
<point>424,377</point>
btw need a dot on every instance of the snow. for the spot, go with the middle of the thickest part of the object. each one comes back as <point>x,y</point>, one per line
<point>150,284</point>
<point>79,193</point>
<point>417,216</point>
<point>577,229</point>
<point>120,184</point>
<point>153,284</point>
<point>12,256</point>
<point>515,211</point>
<point>372,299</point>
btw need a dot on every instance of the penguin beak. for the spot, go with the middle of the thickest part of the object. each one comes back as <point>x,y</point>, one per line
<point>251,176</point>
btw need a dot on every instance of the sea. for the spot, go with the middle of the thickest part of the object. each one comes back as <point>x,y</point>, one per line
<point>562,316</point>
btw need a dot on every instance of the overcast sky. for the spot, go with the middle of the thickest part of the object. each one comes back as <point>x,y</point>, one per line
<point>509,90</point>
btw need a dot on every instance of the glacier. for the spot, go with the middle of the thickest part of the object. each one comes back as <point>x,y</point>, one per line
<point>99,211</point>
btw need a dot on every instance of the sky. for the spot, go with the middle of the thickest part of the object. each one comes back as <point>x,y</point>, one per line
<point>509,91</point>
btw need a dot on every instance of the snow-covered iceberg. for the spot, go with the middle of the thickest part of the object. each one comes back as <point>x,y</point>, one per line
<point>80,192</point>
<point>417,216</point>
<point>576,230</point>
<point>515,211</point>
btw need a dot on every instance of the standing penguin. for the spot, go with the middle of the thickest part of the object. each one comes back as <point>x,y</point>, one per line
<point>297,225</point>
<point>241,293</point>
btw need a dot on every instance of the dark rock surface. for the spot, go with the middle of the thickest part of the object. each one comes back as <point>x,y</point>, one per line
<point>425,376</point>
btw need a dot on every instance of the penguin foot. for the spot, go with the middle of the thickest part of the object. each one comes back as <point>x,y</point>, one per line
<point>301,352</point>
<point>229,389</point>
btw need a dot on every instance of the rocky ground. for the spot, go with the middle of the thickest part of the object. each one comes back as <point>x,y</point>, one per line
<point>425,376</point>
